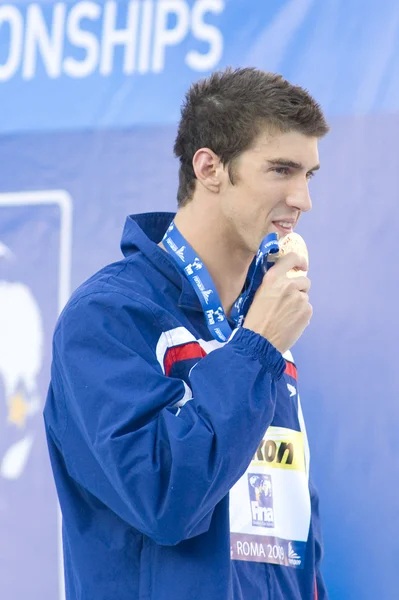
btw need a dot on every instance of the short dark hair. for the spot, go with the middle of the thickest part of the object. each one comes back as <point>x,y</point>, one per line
<point>226,112</point>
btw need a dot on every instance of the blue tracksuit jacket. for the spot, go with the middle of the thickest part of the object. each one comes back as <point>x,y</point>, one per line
<point>181,464</point>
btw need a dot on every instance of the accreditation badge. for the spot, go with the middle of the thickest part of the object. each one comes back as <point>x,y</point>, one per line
<point>270,505</point>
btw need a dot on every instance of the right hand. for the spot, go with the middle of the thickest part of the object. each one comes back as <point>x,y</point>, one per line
<point>280,311</point>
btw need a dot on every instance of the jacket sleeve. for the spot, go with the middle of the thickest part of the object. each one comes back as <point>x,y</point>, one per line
<point>111,413</point>
<point>319,581</point>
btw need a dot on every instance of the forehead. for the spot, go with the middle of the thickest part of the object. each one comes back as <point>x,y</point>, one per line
<point>290,145</point>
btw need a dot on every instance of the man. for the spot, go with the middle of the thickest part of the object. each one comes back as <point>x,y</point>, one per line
<point>175,430</point>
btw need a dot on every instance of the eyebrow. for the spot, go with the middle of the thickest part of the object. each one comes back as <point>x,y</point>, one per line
<point>284,162</point>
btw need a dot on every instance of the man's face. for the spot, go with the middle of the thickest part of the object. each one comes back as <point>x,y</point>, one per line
<point>270,189</point>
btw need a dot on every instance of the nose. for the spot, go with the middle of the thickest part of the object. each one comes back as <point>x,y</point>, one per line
<point>299,197</point>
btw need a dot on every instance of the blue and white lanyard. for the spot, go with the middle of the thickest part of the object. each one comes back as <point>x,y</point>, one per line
<point>198,275</point>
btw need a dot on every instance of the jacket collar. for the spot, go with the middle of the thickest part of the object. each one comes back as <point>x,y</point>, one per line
<point>143,232</point>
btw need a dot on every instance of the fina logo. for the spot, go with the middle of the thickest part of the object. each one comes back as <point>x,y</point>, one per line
<point>261,499</point>
<point>293,558</point>
<point>213,315</point>
<point>196,265</point>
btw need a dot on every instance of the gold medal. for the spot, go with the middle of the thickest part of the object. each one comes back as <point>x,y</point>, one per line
<point>293,242</point>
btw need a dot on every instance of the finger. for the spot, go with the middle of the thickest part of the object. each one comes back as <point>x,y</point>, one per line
<point>300,283</point>
<point>288,262</point>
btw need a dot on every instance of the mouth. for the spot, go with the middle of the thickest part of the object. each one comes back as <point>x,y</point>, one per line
<point>284,227</point>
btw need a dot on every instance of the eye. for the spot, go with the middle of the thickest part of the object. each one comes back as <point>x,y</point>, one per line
<point>310,175</point>
<point>281,170</point>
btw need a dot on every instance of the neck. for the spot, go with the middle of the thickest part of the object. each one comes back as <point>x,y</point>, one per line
<point>216,245</point>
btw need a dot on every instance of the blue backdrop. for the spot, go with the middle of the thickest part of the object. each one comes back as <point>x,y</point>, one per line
<point>89,99</point>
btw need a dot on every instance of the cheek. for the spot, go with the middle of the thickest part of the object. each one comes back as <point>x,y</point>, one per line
<point>273,195</point>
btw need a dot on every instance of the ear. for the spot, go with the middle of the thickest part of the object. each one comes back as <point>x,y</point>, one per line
<point>208,169</point>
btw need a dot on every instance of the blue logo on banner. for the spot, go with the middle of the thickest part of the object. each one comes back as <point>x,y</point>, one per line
<point>33,257</point>
<point>21,361</point>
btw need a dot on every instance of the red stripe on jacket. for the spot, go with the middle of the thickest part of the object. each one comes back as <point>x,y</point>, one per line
<point>182,352</point>
<point>291,369</point>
